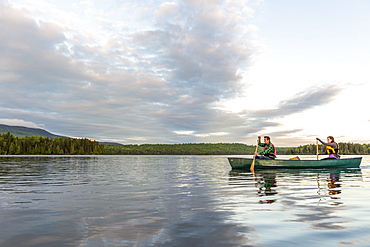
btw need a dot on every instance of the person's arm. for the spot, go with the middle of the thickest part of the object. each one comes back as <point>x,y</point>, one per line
<point>261,144</point>
<point>330,144</point>
<point>323,153</point>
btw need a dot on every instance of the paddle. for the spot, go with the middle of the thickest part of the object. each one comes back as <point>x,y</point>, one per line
<point>317,150</point>
<point>254,158</point>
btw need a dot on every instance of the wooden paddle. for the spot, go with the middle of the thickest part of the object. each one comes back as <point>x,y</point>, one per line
<point>254,158</point>
<point>317,150</point>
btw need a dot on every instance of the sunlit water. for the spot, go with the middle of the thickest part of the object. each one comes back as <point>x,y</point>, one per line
<point>178,201</point>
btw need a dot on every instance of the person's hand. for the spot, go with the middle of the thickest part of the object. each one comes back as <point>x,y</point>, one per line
<point>255,153</point>
<point>259,138</point>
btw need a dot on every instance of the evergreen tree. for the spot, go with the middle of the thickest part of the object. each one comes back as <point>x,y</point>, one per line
<point>43,145</point>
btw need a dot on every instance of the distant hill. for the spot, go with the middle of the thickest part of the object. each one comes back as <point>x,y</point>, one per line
<point>20,131</point>
<point>110,143</point>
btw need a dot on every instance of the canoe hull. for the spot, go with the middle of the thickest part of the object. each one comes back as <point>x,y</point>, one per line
<point>245,163</point>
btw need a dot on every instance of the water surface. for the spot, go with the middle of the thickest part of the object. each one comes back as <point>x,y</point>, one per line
<point>178,201</point>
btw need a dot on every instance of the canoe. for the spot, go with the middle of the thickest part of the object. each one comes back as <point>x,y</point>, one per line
<point>245,163</point>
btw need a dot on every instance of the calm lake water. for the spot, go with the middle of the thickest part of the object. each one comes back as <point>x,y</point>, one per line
<point>178,201</point>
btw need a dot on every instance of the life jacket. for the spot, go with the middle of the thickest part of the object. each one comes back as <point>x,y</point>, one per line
<point>330,150</point>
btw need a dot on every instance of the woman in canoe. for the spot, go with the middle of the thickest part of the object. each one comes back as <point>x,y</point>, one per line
<point>332,148</point>
<point>269,151</point>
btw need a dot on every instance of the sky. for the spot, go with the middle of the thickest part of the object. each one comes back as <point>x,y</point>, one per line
<point>187,71</point>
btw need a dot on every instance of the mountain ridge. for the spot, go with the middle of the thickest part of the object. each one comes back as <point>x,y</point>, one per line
<point>21,131</point>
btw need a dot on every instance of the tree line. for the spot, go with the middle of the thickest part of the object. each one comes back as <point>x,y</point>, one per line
<point>12,145</point>
<point>185,149</point>
<point>345,148</point>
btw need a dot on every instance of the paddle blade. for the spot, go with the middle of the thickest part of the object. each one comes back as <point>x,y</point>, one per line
<point>253,163</point>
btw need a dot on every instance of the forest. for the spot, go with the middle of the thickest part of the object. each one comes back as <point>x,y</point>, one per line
<point>344,148</point>
<point>12,145</point>
<point>185,149</point>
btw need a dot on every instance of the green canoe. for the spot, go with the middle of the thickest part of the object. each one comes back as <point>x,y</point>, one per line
<point>245,163</point>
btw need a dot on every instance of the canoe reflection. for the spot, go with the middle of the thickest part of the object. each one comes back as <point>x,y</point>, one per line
<point>266,182</point>
<point>267,185</point>
<point>334,184</point>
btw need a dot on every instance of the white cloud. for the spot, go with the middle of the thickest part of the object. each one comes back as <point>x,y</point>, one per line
<point>20,122</point>
<point>184,132</point>
<point>146,72</point>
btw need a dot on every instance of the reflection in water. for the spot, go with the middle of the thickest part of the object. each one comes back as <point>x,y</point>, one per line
<point>266,181</point>
<point>331,187</point>
<point>175,201</point>
<point>114,201</point>
<point>306,199</point>
<point>334,184</point>
<point>267,188</point>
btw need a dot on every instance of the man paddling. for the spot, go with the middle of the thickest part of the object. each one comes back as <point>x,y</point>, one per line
<point>269,151</point>
<point>332,148</point>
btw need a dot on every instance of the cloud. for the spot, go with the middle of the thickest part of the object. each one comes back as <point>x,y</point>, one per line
<point>19,122</point>
<point>144,84</point>
<point>308,99</point>
<point>154,80</point>
<point>200,45</point>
